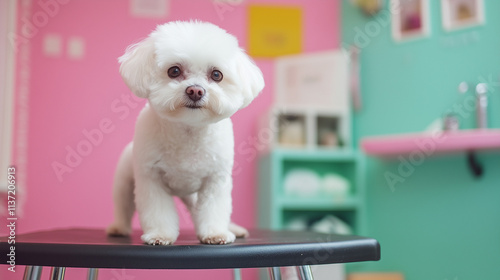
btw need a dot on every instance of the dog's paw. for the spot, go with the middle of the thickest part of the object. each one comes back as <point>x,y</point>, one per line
<point>157,239</point>
<point>217,238</point>
<point>117,230</point>
<point>239,231</point>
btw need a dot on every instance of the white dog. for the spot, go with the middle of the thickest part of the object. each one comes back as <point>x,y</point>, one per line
<point>195,77</point>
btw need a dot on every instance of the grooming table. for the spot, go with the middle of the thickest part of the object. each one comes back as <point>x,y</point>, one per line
<point>91,248</point>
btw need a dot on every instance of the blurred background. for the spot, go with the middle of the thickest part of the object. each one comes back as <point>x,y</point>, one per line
<point>379,118</point>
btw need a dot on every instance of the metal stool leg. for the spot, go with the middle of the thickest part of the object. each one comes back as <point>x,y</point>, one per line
<point>57,273</point>
<point>304,272</point>
<point>275,273</point>
<point>28,270</point>
<point>237,274</point>
<point>32,273</point>
<point>92,274</point>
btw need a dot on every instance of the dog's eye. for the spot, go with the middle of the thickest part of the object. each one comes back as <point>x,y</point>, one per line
<point>216,75</point>
<point>174,72</point>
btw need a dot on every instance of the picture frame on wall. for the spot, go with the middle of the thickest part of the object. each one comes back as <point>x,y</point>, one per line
<point>459,14</point>
<point>410,19</point>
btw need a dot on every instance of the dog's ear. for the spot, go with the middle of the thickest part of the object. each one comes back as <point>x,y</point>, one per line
<point>137,67</point>
<point>252,81</point>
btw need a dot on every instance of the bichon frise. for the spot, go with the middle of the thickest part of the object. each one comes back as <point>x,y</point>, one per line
<point>194,76</point>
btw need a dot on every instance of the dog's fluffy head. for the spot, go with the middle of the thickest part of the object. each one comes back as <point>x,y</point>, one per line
<point>178,55</point>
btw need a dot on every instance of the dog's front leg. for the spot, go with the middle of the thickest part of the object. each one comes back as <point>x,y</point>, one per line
<point>157,211</point>
<point>212,212</point>
<point>191,200</point>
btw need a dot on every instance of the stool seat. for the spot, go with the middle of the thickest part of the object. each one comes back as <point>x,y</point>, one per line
<point>92,248</point>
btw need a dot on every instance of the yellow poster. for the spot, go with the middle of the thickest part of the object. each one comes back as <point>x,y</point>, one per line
<point>274,30</point>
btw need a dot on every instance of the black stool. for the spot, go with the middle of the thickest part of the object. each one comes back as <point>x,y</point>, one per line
<point>91,248</point>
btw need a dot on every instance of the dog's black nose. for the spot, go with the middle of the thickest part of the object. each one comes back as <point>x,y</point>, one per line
<point>195,92</point>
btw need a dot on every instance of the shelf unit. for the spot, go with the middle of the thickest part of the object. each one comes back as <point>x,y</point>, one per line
<point>312,124</point>
<point>277,208</point>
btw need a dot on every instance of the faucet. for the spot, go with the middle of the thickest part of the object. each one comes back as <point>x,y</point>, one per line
<point>482,105</point>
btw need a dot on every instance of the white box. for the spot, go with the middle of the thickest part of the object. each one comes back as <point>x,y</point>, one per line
<point>316,81</point>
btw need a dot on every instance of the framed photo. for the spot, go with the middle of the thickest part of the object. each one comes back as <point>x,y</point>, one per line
<point>410,19</point>
<point>458,14</point>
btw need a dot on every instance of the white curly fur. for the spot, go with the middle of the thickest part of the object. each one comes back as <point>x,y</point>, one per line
<point>179,150</point>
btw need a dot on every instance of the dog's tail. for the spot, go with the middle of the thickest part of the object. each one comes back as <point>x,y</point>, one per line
<point>123,195</point>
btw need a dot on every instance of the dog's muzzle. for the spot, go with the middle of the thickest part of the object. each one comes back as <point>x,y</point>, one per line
<point>195,92</point>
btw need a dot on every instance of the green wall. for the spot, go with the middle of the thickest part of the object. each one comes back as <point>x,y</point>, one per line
<point>440,222</point>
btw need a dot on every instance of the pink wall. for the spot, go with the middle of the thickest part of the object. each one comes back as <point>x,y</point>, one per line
<point>70,96</point>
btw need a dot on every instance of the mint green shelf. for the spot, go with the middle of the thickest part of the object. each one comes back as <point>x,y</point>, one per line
<point>316,154</point>
<point>276,208</point>
<point>293,203</point>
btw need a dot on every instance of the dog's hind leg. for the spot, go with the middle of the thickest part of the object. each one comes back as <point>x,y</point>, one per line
<point>123,195</point>
<point>238,230</point>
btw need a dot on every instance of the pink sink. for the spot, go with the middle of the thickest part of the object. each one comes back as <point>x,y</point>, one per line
<point>462,140</point>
